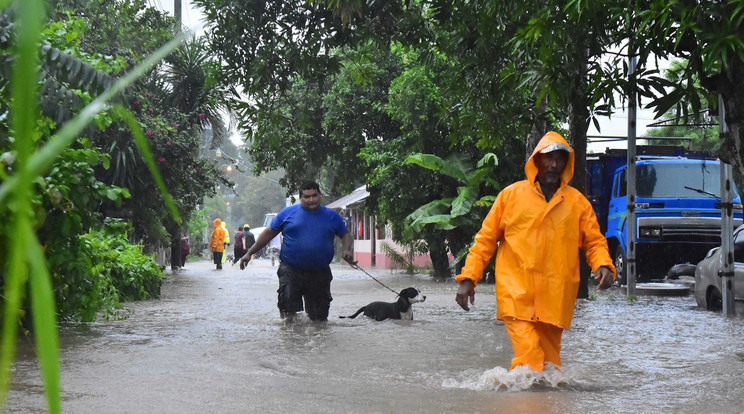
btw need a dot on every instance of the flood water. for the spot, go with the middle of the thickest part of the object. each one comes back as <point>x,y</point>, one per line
<point>214,343</point>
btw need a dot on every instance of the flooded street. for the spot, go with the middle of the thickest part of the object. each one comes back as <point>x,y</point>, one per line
<point>214,343</point>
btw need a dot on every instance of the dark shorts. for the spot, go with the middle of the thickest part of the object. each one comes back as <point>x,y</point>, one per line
<point>314,285</point>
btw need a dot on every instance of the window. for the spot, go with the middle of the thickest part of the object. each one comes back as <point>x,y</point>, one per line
<point>622,187</point>
<point>739,247</point>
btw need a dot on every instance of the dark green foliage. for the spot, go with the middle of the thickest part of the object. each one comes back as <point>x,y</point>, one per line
<point>133,275</point>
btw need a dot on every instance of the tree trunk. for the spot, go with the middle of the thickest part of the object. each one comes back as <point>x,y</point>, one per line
<point>174,230</point>
<point>175,251</point>
<point>578,124</point>
<point>731,88</point>
<point>539,128</point>
<point>439,258</point>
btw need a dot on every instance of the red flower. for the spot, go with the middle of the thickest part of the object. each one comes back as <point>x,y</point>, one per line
<point>136,102</point>
<point>162,159</point>
<point>148,133</point>
<point>201,115</point>
<point>167,143</point>
<point>175,124</point>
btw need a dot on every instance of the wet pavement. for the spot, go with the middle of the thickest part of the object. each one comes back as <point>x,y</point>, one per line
<point>214,343</point>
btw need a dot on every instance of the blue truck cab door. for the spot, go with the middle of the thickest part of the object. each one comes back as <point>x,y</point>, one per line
<point>617,209</point>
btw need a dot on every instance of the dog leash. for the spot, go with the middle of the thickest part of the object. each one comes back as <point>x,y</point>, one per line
<point>355,266</point>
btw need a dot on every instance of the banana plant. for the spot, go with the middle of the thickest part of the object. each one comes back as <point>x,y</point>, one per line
<point>452,212</point>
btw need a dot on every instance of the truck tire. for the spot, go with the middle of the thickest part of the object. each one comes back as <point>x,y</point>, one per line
<point>621,264</point>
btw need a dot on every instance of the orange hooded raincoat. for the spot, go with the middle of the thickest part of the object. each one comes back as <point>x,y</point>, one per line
<point>537,264</point>
<point>217,242</point>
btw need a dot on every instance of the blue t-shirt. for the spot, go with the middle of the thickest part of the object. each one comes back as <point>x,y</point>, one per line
<point>308,235</point>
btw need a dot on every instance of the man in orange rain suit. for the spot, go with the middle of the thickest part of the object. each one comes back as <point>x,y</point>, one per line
<point>217,243</point>
<point>538,224</point>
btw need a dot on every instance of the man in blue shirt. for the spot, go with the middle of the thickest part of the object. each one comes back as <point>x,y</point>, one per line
<point>308,231</point>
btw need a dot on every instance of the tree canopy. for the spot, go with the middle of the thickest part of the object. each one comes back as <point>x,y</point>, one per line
<point>334,80</point>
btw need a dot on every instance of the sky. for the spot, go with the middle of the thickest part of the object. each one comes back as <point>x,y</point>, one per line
<point>191,16</point>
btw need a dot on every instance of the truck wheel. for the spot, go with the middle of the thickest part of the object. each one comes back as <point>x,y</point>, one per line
<point>713,300</point>
<point>620,265</point>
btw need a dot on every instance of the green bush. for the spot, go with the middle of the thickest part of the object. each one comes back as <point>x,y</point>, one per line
<point>100,269</point>
<point>133,274</point>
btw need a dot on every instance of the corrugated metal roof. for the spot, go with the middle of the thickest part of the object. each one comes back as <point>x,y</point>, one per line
<point>357,196</point>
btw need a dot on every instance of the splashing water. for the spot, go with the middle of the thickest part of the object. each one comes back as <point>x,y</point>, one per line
<point>521,378</point>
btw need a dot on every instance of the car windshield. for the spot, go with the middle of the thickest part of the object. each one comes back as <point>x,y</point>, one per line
<point>678,180</point>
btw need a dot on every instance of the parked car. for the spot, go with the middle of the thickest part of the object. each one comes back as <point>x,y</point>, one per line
<point>708,281</point>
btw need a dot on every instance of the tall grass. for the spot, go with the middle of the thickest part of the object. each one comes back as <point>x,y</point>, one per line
<point>26,265</point>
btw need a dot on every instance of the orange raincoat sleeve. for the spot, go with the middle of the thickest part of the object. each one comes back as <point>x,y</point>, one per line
<point>593,242</point>
<point>485,243</point>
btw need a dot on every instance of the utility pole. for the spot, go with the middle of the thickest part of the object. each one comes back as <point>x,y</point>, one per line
<point>177,13</point>
<point>727,217</point>
<point>630,223</point>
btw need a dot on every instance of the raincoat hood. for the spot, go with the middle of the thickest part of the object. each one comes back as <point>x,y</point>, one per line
<point>217,223</point>
<point>552,138</point>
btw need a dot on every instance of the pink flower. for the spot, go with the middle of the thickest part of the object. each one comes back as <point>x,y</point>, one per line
<point>162,159</point>
<point>152,110</point>
<point>148,133</point>
<point>167,143</point>
<point>175,124</point>
<point>201,115</point>
<point>136,102</point>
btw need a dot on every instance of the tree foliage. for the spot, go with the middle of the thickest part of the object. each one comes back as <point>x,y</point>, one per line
<point>173,104</point>
<point>30,152</point>
<point>473,77</point>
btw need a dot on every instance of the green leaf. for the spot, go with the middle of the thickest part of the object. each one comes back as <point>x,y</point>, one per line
<point>44,316</point>
<point>435,163</point>
<point>464,201</point>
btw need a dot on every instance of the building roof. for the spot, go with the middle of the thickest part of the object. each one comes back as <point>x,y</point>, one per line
<point>355,197</point>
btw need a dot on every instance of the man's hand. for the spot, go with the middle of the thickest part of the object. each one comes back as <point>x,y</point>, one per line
<point>349,257</point>
<point>465,293</point>
<point>245,259</point>
<point>604,276</point>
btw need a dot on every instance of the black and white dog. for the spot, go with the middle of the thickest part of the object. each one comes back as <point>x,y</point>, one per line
<point>401,309</point>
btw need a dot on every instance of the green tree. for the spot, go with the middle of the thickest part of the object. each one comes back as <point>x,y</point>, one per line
<point>710,36</point>
<point>701,126</point>
<point>33,151</point>
<point>173,103</point>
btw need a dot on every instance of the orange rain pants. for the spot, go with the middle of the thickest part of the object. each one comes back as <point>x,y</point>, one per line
<point>534,343</point>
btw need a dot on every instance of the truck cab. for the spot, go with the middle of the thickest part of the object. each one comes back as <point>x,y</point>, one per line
<point>677,206</point>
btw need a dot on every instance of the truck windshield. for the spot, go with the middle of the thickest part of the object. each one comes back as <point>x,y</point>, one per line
<point>677,180</point>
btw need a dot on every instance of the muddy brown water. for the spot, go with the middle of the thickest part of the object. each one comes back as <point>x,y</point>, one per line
<point>214,343</point>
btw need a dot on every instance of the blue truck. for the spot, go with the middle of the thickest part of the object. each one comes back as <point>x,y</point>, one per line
<point>677,206</point>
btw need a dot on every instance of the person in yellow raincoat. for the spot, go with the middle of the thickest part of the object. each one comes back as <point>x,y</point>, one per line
<point>217,243</point>
<point>538,226</point>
